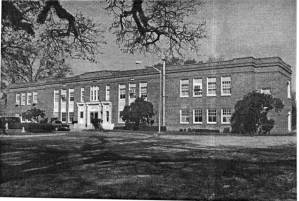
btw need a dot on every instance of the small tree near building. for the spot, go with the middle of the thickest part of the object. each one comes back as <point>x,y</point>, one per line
<point>250,114</point>
<point>137,113</point>
<point>33,114</point>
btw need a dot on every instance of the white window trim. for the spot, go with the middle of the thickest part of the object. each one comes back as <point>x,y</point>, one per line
<point>208,87</point>
<point>120,86</point>
<point>133,85</point>
<point>226,123</point>
<point>181,119</point>
<point>222,93</point>
<point>27,99</point>
<point>181,95</point>
<point>106,93</point>
<point>194,117</point>
<point>23,95</point>
<point>34,101</point>
<point>141,85</point>
<point>289,90</point>
<point>82,92</point>
<point>208,122</point>
<point>18,99</point>
<point>197,85</point>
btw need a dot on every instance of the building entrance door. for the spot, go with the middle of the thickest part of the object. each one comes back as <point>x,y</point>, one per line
<point>93,115</point>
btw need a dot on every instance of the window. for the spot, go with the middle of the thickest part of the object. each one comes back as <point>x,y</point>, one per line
<point>18,99</point>
<point>132,91</point>
<point>197,87</point>
<point>122,91</point>
<point>82,95</point>
<point>23,97</point>
<point>184,88</point>
<point>225,86</point>
<point>56,101</point>
<point>63,116</point>
<point>211,86</point>
<point>266,91</point>
<point>289,89</point>
<point>184,116</point>
<point>226,116</point>
<point>71,117</point>
<point>29,98</point>
<point>143,90</point>
<point>94,93</point>
<point>107,92</point>
<point>81,115</point>
<point>107,116</point>
<point>34,100</point>
<point>197,116</point>
<point>71,95</point>
<point>211,117</point>
<point>63,95</point>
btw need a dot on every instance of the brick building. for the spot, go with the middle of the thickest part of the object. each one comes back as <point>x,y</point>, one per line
<point>196,96</point>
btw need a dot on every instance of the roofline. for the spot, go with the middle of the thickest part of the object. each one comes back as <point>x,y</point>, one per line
<point>148,70</point>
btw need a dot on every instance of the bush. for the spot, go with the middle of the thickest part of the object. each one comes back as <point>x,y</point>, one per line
<point>13,122</point>
<point>38,127</point>
<point>97,123</point>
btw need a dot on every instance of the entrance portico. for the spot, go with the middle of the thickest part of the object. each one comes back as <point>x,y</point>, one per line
<point>94,110</point>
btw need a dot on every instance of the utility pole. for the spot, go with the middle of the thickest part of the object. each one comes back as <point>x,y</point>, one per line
<point>163,91</point>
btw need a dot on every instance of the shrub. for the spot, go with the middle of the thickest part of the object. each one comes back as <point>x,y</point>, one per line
<point>38,127</point>
<point>33,114</point>
<point>97,123</point>
<point>250,114</point>
<point>137,113</point>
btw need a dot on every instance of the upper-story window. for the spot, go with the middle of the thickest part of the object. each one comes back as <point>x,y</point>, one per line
<point>289,89</point>
<point>143,90</point>
<point>197,87</point>
<point>107,92</point>
<point>184,88</point>
<point>23,97</point>
<point>211,86</point>
<point>63,95</point>
<point>29,98</point>
<point>184,116</point>
<point>82,95</point>
<point>71,95</point>
<point>122,91</point>
<point>56,96</point>
<point>34,100</point>
<point>226,115</point>
<point>18,99</point>
<point>132,91</point>
<point>225,86</point>
<point>94,93</point>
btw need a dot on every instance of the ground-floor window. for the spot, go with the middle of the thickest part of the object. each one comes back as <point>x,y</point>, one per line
<point>212,116</point>
<point>81,115</point>
<point>71,117</point>
<point>63,116</point>
<point>226,116</point>
<point>184,116</point>
<point>197,116</point>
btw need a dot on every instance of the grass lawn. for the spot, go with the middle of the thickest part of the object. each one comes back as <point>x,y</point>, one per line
<point>132,165</point>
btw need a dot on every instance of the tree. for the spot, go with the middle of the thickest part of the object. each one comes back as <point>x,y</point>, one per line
<point>30,55</point>
<point>250,114</point>
<point>138,25</point>
<point>138,112</point>
<point>33,114</point>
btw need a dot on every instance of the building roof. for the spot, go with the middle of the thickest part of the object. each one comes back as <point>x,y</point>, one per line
<point>109,74</point>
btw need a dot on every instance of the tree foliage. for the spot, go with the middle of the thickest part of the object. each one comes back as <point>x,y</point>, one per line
<point>138,112</point>
<point>142,25</point>
<point>33,114</point>
<point>31,51</point>
<point>250,114</point>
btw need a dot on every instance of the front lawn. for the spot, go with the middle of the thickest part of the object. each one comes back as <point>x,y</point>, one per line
<point>131,165</point>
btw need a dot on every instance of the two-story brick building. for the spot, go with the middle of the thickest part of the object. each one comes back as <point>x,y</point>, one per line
<point>196,96</point>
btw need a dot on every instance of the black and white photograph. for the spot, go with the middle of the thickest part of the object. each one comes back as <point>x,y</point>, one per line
<point>148,99</point>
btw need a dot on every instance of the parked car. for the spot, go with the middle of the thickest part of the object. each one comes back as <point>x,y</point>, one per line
<point>59,126</point>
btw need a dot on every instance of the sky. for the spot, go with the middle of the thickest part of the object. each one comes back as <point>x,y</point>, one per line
<point>235,28</point>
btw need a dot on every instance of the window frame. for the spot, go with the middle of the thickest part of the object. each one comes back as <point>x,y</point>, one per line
<point>209,78</point>
<point>209,122</point>
<point>222,85</point>
<point>122,87</point>
<point>289,95</point>
<point>29,100</point>
<point>222,115</point>
<point>34,97</point>
<point>18,99</point>
<point>107,93</point>
<point>181,92</point>
<point>181,112</point>
<point>143,85</point>
<point>200,122</point>
<point>23,99</point>
<point>197,84</point>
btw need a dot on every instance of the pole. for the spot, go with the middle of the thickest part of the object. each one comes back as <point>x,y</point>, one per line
<point>160,102</point>
<point>163,93</point>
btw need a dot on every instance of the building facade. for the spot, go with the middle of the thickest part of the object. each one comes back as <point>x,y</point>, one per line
<point>196,96</point>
